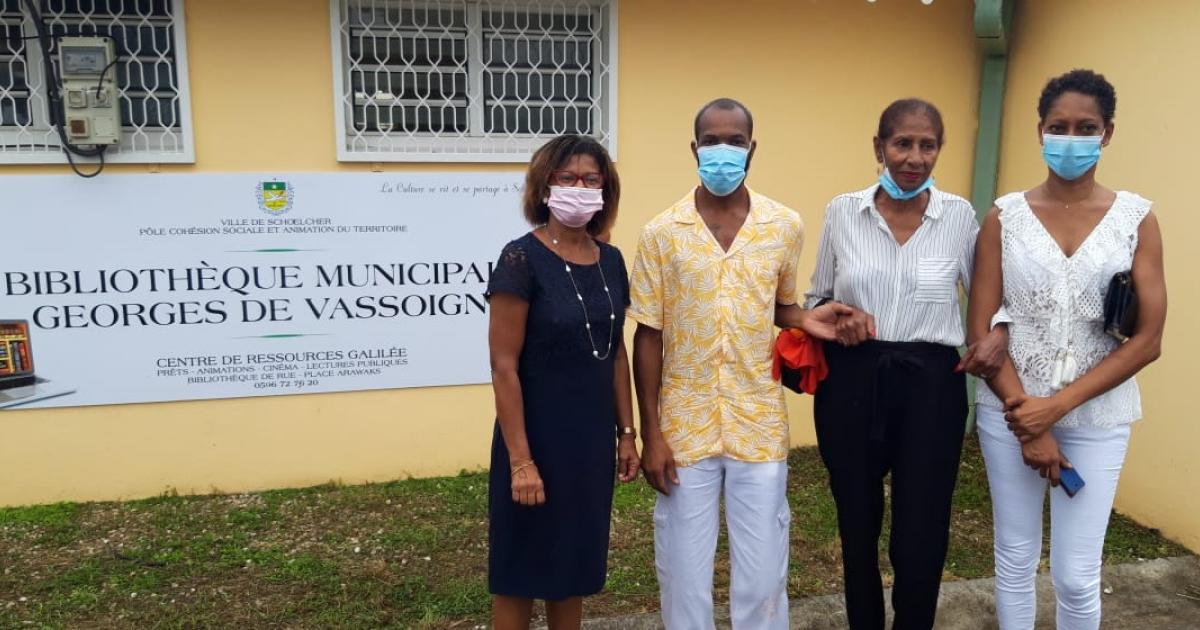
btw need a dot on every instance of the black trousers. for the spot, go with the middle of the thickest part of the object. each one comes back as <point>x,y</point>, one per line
<point>898,408</point>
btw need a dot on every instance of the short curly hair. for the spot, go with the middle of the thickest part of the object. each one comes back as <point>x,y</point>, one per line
<point>726,104</point>
<point>1084,82</point>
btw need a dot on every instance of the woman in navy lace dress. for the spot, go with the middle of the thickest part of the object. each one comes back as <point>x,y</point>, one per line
<point>564,420</point>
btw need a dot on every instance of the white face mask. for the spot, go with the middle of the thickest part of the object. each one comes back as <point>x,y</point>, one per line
<point>574,207</point>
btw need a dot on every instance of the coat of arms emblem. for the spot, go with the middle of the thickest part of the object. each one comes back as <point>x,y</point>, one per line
<point>275,198</point>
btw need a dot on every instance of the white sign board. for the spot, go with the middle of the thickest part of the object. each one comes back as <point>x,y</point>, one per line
<point>149,288</point>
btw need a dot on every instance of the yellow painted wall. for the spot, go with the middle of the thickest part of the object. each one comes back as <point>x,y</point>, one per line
<point>815,72</point>
<point>1147,50</point>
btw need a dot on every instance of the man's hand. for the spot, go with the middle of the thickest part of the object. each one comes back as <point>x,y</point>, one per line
<point>855,327</point>
<point>1031,416</point>
<point>984,357</point>
<point>821,322</point>
<point>658,464</point>
<point>1042,455</point>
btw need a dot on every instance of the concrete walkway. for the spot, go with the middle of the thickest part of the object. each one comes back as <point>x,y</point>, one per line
<point>1152,595</point>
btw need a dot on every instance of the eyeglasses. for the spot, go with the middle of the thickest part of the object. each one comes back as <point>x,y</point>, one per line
<point>567,179</point>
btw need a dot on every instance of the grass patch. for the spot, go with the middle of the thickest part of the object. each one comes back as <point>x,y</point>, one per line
<point>404,554</point>
<point>53,515</point>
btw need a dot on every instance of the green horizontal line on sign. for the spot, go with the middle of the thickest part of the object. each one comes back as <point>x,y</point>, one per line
<point>284,336</point>
<point>270,250</point>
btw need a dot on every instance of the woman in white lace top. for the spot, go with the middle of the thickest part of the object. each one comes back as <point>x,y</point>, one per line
<point>1067,396</point>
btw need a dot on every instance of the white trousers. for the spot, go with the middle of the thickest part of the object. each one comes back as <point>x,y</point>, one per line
<point>685,543</point>
<point>1077,525</point>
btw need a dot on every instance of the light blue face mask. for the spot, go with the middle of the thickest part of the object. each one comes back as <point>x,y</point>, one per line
<point>894,191</point>
<point>722,168</point>
<point>1071,156</point>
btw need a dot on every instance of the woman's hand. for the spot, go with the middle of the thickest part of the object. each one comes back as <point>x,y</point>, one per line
<point>819,322</point>
<point>1031,416</point>
<point>855,327</point>
<point>984,357</point>
<point>1042,455</point>
<point>627,459</point>
<point>527,487</point>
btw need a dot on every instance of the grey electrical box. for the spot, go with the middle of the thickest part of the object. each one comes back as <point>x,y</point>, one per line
<point>87,66</point>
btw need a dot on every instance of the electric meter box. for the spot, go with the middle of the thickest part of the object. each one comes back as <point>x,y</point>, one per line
<point>88,69</point>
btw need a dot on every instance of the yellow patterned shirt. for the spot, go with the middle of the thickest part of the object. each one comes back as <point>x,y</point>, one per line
<point>717,311</point>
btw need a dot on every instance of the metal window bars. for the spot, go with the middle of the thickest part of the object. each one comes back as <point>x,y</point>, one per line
<point>471,80</point>
<point>151,76</point>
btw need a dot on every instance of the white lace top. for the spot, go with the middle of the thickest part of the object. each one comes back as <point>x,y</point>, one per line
<point>1057,303</point>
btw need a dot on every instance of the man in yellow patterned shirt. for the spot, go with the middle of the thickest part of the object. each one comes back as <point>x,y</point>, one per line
<point>713,274</point>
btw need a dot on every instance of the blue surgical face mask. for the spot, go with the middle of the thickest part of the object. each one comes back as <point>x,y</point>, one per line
<point>894,191</point>
<point>722,168</point>
<point>1071,156</point>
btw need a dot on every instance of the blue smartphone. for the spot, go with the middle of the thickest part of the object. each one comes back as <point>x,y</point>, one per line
<point>1070,480</point>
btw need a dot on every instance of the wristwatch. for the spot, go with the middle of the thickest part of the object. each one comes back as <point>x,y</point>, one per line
<point>630,431</point>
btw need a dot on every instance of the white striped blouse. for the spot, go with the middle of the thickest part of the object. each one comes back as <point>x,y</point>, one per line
<point>912,290</point>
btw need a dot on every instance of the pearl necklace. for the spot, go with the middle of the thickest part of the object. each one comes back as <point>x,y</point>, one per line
<point>587,321</point>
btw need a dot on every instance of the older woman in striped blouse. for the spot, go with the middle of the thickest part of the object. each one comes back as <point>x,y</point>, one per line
<point>895,399</point>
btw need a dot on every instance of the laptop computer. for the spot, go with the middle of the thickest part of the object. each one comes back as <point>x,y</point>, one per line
<point>19,382</point>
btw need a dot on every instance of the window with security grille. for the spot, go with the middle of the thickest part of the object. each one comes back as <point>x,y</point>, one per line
<point>471,80</point>
<point>150,71</point>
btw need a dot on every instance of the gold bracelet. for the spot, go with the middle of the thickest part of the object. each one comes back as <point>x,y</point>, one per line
<point>520,468</point>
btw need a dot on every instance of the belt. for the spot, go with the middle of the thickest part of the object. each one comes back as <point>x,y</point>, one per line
<point>893,359</point>
<point>883,397</point>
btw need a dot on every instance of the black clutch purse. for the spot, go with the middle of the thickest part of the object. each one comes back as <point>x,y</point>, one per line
<point>1120,306</point>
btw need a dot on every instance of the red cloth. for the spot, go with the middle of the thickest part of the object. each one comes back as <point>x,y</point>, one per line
<point>803,357</point>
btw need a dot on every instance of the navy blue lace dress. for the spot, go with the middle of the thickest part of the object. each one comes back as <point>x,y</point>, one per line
<point>559,549</point>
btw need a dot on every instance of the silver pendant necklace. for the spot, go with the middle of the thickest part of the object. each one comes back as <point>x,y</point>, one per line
<point>587,321</point>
